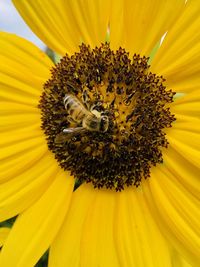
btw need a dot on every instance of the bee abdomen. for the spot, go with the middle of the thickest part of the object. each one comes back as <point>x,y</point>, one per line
<point>74,108</point>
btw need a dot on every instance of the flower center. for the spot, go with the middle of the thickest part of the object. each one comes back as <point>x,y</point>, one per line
<point>104,116</point>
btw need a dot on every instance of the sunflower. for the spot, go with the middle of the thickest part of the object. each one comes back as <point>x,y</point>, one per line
<point>123,190</point>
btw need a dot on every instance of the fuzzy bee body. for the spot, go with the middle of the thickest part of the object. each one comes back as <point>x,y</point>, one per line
<point>86,120</point>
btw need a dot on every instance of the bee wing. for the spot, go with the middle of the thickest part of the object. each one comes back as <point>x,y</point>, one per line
<point>61,138</point>
<point>68,133</point>
<point>74,131</point>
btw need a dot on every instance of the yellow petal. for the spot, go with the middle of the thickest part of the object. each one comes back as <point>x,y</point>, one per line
<point>20,162</point>
<point>189,97</point>
<point>70,234</point>
<point>9,108</point>
<point>15,149</point>
<point>18,134</point>
<point>187,105</point>
<point>185,172</point>
<point>138,238</point>
<point>4,231</point>
<point>18,122</point>
<point>186,123</point>
<point>178,59</point>
<point>36,227</point>
<point>176,211</point>
<point>97,242</point>
<point>64,25</point>
<point>178,260</point>
<point>14,90</point>
<point>103,226</point>
<point>19,56</point>
<point>23,70</point>
<point>15,121</point>
<point>188,138</point>
<point>139,25</point>
<point>24,189</point>
<point>190,153</point>
<point>92,19</point>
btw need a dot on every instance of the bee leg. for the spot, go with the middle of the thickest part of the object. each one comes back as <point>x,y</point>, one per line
<point>71,120</point>
<point>95,106</point>
<point>86,99</point>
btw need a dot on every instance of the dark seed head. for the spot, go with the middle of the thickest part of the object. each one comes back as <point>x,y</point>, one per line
<point>132,102</point>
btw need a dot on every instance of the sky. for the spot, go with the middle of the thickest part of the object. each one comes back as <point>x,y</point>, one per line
<point>10,21</point>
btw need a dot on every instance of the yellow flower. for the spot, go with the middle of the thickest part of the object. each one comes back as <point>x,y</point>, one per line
<point>155,224</point>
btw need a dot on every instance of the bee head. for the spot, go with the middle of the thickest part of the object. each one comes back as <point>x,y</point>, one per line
<point>104,123</point>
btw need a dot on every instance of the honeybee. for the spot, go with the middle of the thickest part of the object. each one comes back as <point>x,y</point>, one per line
<point>89,118</point>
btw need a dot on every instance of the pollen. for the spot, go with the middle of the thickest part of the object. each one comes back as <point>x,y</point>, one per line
<point>112,85</point>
